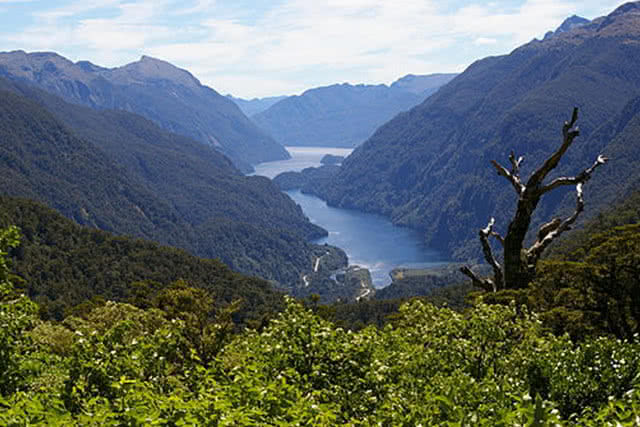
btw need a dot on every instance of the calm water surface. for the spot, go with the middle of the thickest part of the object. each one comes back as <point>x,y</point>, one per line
<point>301,158</point>
<point>370,241</point>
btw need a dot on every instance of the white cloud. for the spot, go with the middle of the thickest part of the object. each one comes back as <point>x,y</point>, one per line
<point>292,45</point>
<point>480,41</point>
<point>200,6</point>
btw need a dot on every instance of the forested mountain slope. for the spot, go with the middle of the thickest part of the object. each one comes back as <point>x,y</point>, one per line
<point>344,115</point>
<point>128,176</point>
<point>62,264</point>
<point>42,159</point>
<point>430,168</point>
<point>169,96</point>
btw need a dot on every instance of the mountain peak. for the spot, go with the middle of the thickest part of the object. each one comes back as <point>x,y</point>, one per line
<point>152,68</point>
<point>572,22</point>
<point>569,24</point>
<point>623,21</point>
<point>89,66</point>
<point>29,65</point>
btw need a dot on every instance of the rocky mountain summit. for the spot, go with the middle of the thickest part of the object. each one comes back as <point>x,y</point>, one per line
<point>568,25</point>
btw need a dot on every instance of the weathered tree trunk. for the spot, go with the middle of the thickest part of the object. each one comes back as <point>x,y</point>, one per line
<point>520,262</point>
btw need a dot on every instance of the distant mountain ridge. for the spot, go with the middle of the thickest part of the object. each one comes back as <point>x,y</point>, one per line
<point>255,105</point>
<point>344,115</point>
<point>155,89</point>
<point>423,85</point>
<point>429,168</point>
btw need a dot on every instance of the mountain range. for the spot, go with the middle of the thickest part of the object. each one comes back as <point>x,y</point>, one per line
<point>429,168</point>
<point>119,172</point>
<point>169,96</point>
<point>343,115</point>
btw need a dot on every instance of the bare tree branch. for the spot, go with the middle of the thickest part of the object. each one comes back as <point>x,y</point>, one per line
<point>498,281</point>
<point>548,227</point>
<point>498,237</point>
<point>513,179</point>
<point>534,252</point>
<point>584,176</point>
<point>515,164</point>
<point>569,134</point>
<point>486,284</point>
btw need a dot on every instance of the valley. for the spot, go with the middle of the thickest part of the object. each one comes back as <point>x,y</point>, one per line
<point>370,241</point>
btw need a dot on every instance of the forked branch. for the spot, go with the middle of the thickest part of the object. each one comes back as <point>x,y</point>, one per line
<point>551,230</point>
<point>515,164</point>
<point>498,280</point>
<point>512,176</point>
<point>479,282</point>
<point>488,254</point>
<point>582,177</point>
<point>569,133</point>
<point>535,251</point>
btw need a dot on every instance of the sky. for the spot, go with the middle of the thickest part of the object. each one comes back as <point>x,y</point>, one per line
<point>257,48</point>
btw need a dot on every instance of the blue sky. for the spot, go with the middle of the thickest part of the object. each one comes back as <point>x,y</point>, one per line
<point>261,48</point>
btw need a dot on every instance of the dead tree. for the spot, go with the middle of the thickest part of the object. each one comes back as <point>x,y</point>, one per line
<point>520,262</point>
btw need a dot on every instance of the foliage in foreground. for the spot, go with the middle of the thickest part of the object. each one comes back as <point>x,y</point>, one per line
<point>171,365</point>
<point>492,366</point>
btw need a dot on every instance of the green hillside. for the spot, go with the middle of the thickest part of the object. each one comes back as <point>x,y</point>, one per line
<point>42,159</point>
<point>63,264</point>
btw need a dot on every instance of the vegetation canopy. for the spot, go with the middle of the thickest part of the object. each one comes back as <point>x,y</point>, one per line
<point>172,364</point>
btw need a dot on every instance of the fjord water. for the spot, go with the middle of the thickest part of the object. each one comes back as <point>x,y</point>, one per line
<point>370,241</point>
<point>301,158</point>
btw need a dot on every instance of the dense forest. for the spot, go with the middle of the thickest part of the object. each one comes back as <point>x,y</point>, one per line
<point>562,352</point>
<point>66,267</point>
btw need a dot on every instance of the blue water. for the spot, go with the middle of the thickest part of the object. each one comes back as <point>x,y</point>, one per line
<point>301,158</point>
<point>370,241</point>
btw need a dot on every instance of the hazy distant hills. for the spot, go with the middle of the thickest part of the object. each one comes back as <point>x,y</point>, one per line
<point>157,90</point>
<point>119,172</point>
<point>429,168</point>
<point>255,105</point>
<point>422,85</point>
<point>343,115</point>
